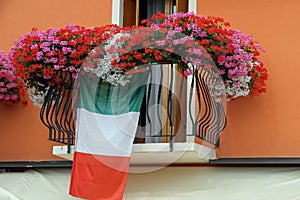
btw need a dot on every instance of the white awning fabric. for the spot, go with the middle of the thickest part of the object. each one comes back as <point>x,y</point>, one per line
<point>182,183</point>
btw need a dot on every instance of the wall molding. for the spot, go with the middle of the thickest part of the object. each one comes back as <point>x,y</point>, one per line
<point>193,6</point>
<point>117,12</point>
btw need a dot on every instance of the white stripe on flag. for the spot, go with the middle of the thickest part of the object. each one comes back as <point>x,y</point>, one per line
<point>110,135</point>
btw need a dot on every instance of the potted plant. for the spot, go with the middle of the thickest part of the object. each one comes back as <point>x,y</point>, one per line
<point>42,58</point>
<point>48,62</point>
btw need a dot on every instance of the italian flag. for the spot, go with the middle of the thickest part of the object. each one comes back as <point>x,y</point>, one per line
<point>106,122</point>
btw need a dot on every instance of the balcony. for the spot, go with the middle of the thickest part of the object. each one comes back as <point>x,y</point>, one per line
<point>180,121</point>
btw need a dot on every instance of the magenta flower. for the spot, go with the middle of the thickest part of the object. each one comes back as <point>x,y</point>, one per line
<point>9,89</point>
<point>14,97</point>
<point>63,43</point>
<point>7,97</point>
<point>3,90</point>
<point>188,72</point>
<point>160,42</point>
<point>236,84</point>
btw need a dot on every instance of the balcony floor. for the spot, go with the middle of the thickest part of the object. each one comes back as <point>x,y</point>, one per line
<point>158,153</point>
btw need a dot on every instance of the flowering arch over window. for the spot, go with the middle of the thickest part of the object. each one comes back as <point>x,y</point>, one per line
<point>234,53</point>
<point>40,54</point>
<point>188,40</point>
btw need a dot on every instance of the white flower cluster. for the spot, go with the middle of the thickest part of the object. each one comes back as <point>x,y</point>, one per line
<point>238,87</point>
<point>216,91</point>
<point>104,68</point>
<point>235,88</point>
<point>37,97</point>
<point>254,64</point>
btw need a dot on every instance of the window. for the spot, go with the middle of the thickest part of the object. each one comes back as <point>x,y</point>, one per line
<point>137,10</point>
<point>154,124</point>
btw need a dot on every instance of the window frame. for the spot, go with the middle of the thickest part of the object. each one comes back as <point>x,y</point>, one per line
<point>118,10</point>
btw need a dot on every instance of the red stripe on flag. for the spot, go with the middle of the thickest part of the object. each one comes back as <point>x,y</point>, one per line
<point>98,177</point>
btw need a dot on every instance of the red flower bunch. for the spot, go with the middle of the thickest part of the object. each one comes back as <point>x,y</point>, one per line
<point>234,54</point>
<point>133,49</point>
<point>38,55</point>
<point>10,86</point>
<point>182,38</point>
<point>259,76</point>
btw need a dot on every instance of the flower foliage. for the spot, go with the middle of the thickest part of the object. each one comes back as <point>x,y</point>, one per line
<point>10,86</point>
<point>132,49</point>
<point>234,53</point>
<point>38,55</point>
<point>185,39</point>
<point>191,41</point>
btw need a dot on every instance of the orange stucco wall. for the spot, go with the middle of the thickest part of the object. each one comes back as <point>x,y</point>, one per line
<point>22,135</point>
<point>265,126</point>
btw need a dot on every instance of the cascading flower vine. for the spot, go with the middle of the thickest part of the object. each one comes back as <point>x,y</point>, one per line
<point>235,54</point>
<point>190,41</point>
<point>103,65</point>
<point>200,41</point>
<point>131,51</point>
<point>39,55</point>
<point>11,88</point>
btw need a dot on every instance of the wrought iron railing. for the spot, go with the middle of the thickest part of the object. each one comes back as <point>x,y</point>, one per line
<point>210,119</point>
<point>173,108</point>
<point>56,112</point>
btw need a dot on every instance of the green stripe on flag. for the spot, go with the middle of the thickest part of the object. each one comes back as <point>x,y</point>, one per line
<point>101,97</point>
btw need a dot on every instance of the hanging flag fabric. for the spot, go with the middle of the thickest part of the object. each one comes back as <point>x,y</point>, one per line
<point>106,122</point>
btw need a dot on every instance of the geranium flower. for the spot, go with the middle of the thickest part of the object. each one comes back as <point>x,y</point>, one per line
<point>234,53</point>
<point>115,53</point>
<point>39,55</point>
<point>10,85</point>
